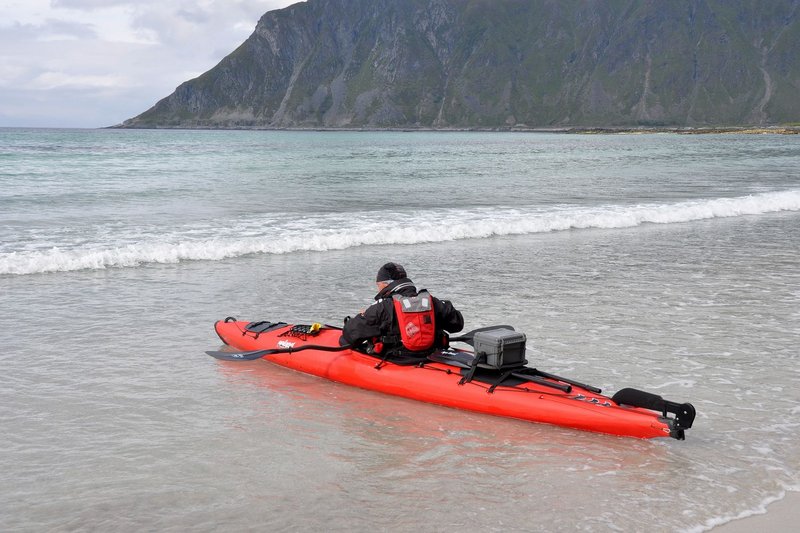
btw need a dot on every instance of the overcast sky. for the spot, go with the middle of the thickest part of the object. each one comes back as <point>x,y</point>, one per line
<point>95,63</point>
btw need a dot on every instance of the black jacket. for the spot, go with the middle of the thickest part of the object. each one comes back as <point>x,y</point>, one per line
<point>378,320</point>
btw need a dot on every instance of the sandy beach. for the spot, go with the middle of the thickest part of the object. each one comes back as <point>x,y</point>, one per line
<point>780,516</point>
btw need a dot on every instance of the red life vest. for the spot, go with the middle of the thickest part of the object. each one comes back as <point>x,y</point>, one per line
<point>416,319</point>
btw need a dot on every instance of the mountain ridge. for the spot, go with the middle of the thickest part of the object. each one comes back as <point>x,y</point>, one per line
<point>503,64</point>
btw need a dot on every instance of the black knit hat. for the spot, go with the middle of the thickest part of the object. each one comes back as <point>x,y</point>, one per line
<point>391,272</point>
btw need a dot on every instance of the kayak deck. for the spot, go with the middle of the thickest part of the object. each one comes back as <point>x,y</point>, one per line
<point>442,379</point>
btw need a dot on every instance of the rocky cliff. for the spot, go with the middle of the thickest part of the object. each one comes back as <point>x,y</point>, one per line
<point>502,63</point>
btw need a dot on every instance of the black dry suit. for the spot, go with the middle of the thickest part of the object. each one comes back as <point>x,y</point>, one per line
<point>379,324</point>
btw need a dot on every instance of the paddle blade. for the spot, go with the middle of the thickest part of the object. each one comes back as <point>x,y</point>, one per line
<point>239,356</point>
<point>467,337</point>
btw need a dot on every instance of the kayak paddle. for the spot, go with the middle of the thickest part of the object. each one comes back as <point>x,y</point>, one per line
<point>258,354</point>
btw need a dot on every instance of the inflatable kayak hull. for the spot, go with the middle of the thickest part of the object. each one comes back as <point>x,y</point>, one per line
<point>543,400</point>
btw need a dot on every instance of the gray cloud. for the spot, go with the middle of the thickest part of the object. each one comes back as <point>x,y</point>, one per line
<point>70,69</point>
<point>195,16</point>
<point>89,5</point>
<point>48,29</point>
<point>78,30</point>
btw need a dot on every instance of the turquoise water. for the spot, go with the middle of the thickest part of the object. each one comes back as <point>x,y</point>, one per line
<point>663,262</point>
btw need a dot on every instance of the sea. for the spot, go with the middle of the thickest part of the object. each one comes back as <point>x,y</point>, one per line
<point>664,262</point>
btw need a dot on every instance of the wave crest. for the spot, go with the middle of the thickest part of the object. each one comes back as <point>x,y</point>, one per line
<point>341,231</point>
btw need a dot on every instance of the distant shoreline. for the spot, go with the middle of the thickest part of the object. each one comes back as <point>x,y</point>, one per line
<point>743,130</point>
<point>774,130</point>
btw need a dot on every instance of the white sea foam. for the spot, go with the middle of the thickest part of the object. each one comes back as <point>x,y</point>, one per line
<point>759,509</point>
<point>257,235</point>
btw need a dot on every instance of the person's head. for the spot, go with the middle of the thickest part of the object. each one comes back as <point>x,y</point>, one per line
<point>389,273</point>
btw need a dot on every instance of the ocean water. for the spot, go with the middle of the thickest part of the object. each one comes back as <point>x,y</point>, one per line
<point>663,262</point>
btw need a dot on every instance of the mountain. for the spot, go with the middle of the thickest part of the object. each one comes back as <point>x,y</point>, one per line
<point>500,64</point>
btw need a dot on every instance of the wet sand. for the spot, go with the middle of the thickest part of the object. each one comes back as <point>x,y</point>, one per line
<point>780,516</point>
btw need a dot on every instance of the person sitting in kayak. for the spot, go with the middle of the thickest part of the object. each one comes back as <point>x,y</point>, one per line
<point>402,320</point>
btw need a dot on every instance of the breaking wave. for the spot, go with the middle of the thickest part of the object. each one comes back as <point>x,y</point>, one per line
<point>262,235</point>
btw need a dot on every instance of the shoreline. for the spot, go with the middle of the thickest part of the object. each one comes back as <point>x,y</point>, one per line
<point>779,515</point>
<point>742,130</point>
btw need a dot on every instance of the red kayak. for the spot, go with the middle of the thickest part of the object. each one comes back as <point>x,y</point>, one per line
<point>455,378</point>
